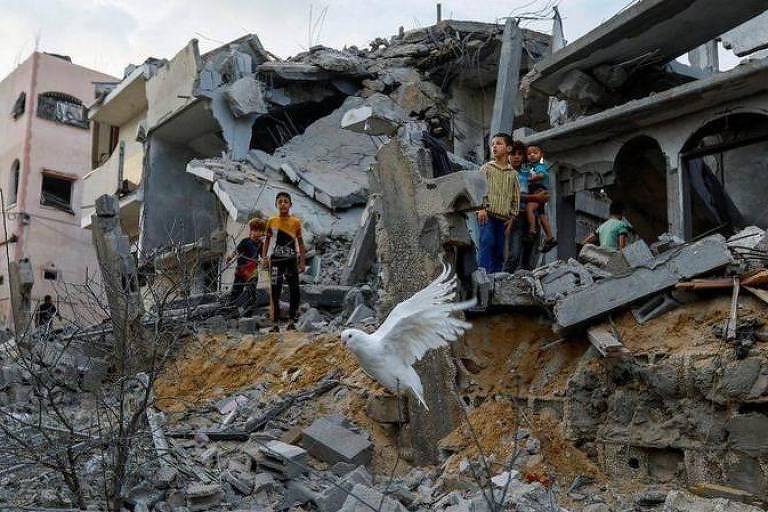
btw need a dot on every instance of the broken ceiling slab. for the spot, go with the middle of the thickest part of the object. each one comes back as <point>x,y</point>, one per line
<point>296,71</point>
<point>380,115</point>
<point>328,163</point>
<point>664,272</point>
<point>749,37</point>
<point>245,192</point>
<point>740,82</point>
<point>658,30</point>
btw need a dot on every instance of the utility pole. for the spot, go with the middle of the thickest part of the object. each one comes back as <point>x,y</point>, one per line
<point>439,12</point>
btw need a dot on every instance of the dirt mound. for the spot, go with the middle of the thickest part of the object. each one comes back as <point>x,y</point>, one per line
<point>215,366</point>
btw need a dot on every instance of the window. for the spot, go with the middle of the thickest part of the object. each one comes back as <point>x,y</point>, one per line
<point>13,186</point>
<point>50,274</point>
<point>62,108</point>
<point>57,192</point>
<point>19,106</point>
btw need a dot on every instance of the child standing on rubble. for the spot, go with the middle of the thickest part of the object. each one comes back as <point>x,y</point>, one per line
<point>502,200</point>
<point>284,249</point>
<point>614,232</point>
<point>247,252</point>
<point>538,181</point>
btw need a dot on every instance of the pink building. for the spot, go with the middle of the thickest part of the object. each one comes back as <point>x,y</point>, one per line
<point>45,149</point>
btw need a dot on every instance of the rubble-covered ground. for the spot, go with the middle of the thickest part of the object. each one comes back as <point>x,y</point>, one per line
<point>517,381</point>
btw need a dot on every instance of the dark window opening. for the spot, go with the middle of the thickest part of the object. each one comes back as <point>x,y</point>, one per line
<point>62,108</point>
<point>50,274</point>
<point>726,172</point>
<point>19,106</point>
<point>641,184</point>
<point>13,186</point>
<point>57,192</point>
<point>271,131</point>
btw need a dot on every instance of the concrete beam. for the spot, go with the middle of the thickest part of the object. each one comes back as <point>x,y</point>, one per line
<point>508,81</point>
<point>665,29</point>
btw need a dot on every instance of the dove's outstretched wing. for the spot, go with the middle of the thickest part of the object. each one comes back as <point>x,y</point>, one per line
<point>423,322</point>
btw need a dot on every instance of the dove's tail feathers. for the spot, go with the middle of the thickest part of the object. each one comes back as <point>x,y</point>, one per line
<point>412,381</point>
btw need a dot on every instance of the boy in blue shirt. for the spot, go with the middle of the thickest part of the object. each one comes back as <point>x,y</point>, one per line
<point>538,181</point>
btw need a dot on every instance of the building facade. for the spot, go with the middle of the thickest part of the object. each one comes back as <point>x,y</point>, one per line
<point>44,153</point>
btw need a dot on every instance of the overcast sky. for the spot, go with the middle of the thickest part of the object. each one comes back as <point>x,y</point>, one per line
<point>106,35</point>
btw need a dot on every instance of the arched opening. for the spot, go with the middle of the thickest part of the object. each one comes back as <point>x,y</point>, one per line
<point>13,182</point>
<point>726,173</point>
<point>640,171</point>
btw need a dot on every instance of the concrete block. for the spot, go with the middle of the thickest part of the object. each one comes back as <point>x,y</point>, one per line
<point>297,493</point>
<point>608,259</point>
<point>666,270</point>
<point>370,498</point>
<point>240,482</point>
<point>384,409</point>
<point>324,296</point>
<point>512,290</point>
<point>203,496</point>
<point>246,96</point>
<point>361,314</point>
<point>378,116</point>
<point>287,459</point>
<point>637,254</point>
<point>333,498</point>
<point>331,442</point>
<point>264,482</point>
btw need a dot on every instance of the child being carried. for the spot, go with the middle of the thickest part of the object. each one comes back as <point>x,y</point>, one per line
<point>538,181</point>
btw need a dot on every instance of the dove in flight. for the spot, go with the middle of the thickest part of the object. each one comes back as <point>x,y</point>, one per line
<point>414,326</point>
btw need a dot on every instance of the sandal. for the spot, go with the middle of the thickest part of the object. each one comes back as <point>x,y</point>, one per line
<point>549,245</point>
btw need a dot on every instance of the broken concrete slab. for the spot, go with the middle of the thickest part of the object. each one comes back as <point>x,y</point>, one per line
<point>203,496</point>
<point>748,37</point>
<point>664,272</point>
<point>682,501</point>
<point>331,442</point>
<point>246,96</point>
<point>512,290</point>
<point>333,498</point>
<point>363,498</point>
<point>362,253</point>
<point>324,296</point>
<point>379,115</point>
<point>637,254</point>
<point>333,163</point>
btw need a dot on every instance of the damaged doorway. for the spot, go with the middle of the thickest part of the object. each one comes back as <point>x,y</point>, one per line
<point>726,175</point>
<point>640,171</point>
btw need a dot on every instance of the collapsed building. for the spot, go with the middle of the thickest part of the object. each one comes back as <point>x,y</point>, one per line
<point>599,381</point>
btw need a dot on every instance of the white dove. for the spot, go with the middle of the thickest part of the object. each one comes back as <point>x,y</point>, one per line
<point>414,326</point>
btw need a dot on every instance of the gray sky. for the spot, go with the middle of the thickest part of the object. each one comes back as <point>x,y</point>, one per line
<point>109,34</point>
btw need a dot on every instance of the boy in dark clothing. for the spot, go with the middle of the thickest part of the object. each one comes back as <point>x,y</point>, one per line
<point>284,246</point>
<point>247,253</point>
